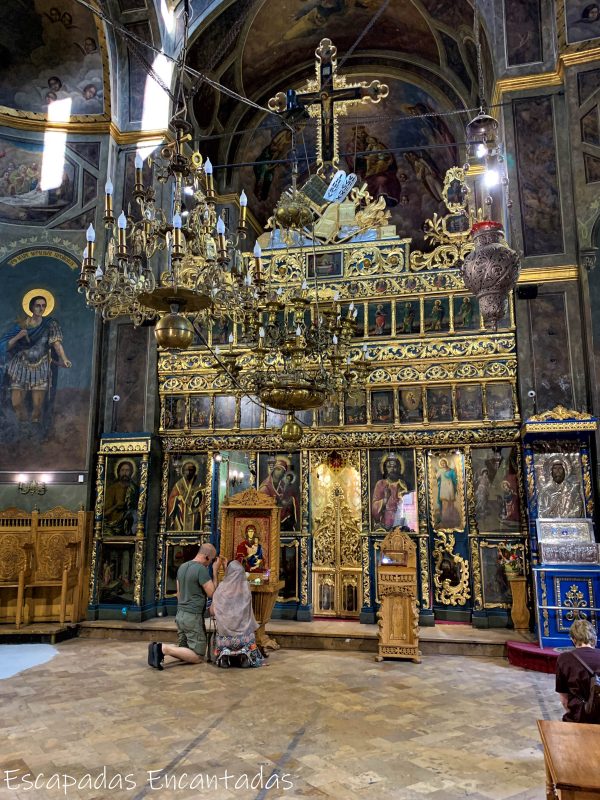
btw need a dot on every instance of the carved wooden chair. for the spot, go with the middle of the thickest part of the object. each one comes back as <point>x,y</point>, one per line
<point>16,554</point>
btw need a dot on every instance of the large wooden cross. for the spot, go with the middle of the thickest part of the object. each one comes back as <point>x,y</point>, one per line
<point>328,96</point>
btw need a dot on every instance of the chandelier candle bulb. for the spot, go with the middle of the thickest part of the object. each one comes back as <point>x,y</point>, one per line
<point>108,207</point>
<point>257,252</point>
<point>221,243</point>
<point>139,181</point>
<point>210,188</point>
<point>90,235</point>
<point>177,236</point>
<point>243,205</point>
<point>122,226</point>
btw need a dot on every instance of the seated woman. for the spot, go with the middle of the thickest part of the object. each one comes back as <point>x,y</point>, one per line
<point>232,610</point>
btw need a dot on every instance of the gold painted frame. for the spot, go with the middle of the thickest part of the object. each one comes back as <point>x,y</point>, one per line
<point>125,448</point>
<point>247,505</point>
<point>443,517</point>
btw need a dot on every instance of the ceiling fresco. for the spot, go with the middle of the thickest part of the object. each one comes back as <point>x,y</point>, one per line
<point>50,50</point>
<point>394,150</point>
<point>286,32</point>
<point>422,48</point>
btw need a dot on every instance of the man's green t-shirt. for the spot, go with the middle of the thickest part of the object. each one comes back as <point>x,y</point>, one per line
<point>191,577</point>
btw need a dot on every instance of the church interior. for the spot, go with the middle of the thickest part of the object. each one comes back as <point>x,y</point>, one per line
<point>311,281</point>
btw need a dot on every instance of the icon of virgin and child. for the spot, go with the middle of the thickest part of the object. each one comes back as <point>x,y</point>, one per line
<point>249,551</point>
<point>281,483</point>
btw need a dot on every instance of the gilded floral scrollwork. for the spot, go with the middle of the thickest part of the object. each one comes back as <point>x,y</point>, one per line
<point>451,577</point>
<point>574,600</point>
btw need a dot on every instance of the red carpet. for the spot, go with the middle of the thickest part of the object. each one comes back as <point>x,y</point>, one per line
<point>531,656</point>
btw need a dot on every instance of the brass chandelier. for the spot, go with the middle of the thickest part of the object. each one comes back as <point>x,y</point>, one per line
<point>300,346</point>
<point>204,268</point>
<point>168,263</point>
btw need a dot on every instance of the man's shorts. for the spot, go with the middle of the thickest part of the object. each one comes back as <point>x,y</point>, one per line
<point>191,632</point>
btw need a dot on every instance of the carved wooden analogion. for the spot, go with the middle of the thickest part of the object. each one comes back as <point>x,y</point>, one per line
<point>398,617</point>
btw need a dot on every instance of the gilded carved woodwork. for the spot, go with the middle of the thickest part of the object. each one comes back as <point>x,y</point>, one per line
<point>451,576</point>
<point>137,452</point>
<point>271,440</point>
<point>398,617</point>
<point>337,554</point>
<point>478,603</point>
<point>304,570</point>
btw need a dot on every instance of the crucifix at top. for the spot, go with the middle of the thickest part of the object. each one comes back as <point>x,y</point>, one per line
<point>328,96</point>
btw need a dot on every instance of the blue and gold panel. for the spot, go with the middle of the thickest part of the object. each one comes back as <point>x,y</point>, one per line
<point>565,593</point>
<point>575,594</point>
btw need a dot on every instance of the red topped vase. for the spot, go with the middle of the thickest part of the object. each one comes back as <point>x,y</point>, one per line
<point>490,270</point>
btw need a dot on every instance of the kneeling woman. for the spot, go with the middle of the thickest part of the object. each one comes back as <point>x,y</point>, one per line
<point>232,610</point>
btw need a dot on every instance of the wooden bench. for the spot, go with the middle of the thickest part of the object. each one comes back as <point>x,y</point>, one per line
<point>572,757</point>
<point>43,565</point>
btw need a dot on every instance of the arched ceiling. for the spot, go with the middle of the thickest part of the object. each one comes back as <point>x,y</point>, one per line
<point>423,49</point>
<point>260,47</point>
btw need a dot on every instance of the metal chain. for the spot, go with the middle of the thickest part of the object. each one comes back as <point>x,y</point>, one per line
<point>480,75</point>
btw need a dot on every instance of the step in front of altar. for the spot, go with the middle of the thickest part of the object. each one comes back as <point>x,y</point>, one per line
<point>328,634</point>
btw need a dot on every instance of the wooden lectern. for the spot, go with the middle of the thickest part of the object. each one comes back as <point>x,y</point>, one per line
<point>250,535</point>
<point>398,617</point>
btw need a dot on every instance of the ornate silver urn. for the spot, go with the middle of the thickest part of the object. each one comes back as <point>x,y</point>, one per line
<point>490,270</point>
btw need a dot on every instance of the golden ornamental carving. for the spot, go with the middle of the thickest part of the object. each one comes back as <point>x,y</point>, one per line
<point>365,502</point>
<point>13,556</point>
<point>270,440</point>
<point>477,578</point>
<point>305,491</point>
<point>143,493</point>
<point>560,413</point>
<point>138,572</point>
<point>587,485</point>
<point>445,256</point>
<point>96,544</point>
<point>366,569</point>
<point>451,576</point>
<point>349,534</point>
<point>424,571</point>
<point>324,539</point>
<point>250,497</point>
<point>99,506</point>
<point>304,571</point>
<point>123,446</point>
